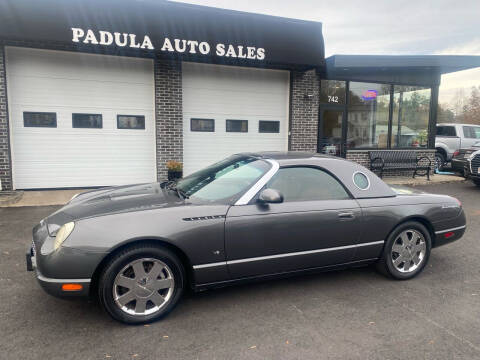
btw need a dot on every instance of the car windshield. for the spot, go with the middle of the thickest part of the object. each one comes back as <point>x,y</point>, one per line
<point>223,182</point>
<point>477,144</point>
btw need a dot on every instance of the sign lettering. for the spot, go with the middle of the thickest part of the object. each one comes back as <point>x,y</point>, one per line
<point>106,38</point>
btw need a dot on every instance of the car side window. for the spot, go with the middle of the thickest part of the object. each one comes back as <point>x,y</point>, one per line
<point>307,183</point>
<point>471,132</point>
<point>446,131</point>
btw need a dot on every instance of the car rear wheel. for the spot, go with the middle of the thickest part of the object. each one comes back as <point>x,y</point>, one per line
<point>141,284</point>
<point>406,251</point>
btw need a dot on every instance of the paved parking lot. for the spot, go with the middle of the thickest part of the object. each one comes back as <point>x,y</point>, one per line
<point>352,314</point>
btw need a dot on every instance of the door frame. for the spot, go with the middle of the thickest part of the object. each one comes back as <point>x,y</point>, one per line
<point>343,141</point>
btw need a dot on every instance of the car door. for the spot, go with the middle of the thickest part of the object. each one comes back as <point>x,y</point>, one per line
<point>317,224</point>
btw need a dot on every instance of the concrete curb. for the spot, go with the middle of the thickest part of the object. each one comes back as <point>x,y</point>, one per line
<point>8,198</point>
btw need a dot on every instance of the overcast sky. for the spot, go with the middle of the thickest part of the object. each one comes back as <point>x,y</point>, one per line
<point>385,27</point>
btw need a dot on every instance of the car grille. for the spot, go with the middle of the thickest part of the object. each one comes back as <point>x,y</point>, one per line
<point>475,164</point>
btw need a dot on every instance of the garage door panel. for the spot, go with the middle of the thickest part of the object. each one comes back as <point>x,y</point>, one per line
<point>68,93</point>
<point>59,64</point>
<point>76,157</point>
<point>221,93</point>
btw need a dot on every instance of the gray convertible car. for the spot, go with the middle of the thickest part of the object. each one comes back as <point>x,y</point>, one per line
<point>250,216</point>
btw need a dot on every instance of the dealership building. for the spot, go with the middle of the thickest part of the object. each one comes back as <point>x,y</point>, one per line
<point>96,93</point>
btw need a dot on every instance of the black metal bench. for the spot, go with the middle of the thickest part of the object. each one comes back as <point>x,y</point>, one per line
<point>399,160</point>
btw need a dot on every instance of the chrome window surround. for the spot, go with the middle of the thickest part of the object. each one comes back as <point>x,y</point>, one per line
<point>354,183</point>
<point>245,199</point>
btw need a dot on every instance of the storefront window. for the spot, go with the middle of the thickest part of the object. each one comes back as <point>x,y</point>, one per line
<point>411,110</point>
<point>332,92</point>
<point>368,112</point>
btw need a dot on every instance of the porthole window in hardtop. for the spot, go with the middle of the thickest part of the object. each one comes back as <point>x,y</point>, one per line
<point>131,122</point>
<point>361,180</point>
<point>307,184</point>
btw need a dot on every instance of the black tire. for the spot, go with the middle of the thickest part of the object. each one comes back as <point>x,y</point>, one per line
<point>123,259</point>
<point>385,264</point>
<point>439,161</point>
<point>476,182</point>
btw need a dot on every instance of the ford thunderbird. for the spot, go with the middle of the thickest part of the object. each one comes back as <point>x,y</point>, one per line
<point>251,216</point>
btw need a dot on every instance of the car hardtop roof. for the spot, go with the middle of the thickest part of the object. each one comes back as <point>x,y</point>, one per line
<point>343,170</point>
<point>288,155</point>
<point>453,124</point>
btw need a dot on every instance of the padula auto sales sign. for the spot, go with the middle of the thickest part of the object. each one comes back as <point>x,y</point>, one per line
<point>179,46</point>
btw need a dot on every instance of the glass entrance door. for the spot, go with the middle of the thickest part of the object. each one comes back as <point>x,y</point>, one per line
<point>330,131</point>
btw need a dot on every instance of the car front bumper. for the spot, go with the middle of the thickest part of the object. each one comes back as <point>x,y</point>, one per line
<point>53,286</point>
<point>57,270</point>
<point>459,165</point>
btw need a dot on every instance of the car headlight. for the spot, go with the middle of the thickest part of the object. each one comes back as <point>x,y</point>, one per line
<point>62,234</point>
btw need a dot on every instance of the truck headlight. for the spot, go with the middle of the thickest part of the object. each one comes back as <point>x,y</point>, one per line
<point>62,234</point>
<point>473,154</point>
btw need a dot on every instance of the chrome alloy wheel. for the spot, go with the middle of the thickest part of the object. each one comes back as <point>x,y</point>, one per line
<point>408,251</point>
<point>143,287</point>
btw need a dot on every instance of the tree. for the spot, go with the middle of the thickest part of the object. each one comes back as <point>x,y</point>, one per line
<point>444,114</point>
<point>471,114</point>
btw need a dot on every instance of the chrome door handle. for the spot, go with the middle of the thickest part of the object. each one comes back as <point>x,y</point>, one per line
<point>346,215</point>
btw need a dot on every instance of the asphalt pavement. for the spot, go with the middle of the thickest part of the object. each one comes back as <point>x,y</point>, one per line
<point>350,314</point>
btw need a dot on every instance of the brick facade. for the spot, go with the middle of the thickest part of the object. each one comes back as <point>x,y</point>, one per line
<point>304,101</point>
<point>5,161</point>
<point>361,157</point>
<point>168,114</point>
<point>304,105</point>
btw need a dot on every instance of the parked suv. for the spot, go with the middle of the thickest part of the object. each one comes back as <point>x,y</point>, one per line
<point>472,170</point>
<point>452,137</point>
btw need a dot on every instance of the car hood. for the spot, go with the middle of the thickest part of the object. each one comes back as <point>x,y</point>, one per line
<point>113,200</point>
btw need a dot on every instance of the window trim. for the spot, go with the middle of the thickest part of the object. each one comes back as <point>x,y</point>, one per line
<point>390,114</point>
<point>191,124</point>
<point>226,127</point>
<point>81,127</point>
<point>253,192</point>
<point>269,121</point>
<point>124,128</point>
<point>316,167</point>
<point>40,112</point>
<point>368,180</point>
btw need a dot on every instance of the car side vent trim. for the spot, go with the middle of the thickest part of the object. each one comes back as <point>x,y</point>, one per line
<point>238,261</point>
<point>210,217</point>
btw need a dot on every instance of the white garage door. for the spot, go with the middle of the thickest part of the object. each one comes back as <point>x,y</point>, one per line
<point>253,102</point>
<point>111,138</point>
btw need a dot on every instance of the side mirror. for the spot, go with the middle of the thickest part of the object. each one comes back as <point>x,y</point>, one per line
<point>270,196</point>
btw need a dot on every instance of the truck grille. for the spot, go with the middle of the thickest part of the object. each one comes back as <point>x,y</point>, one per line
<point>34,250</point>
<point>475,164</point>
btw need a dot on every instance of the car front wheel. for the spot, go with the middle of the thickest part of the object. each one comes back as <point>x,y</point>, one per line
<point>439,161</point>
<point>141,284</point>
<point>406,251</point>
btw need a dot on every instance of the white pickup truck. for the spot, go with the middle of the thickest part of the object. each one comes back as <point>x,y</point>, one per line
<point>453,137</point>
